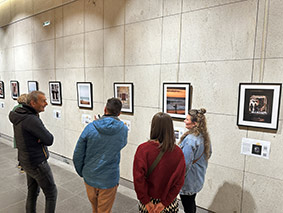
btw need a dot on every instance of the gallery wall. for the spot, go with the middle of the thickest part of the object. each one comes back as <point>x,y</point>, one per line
<point>212,44</point>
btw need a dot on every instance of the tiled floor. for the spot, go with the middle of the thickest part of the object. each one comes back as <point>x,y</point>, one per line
<point>71,191</point>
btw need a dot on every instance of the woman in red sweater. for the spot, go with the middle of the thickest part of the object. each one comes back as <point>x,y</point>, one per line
<point>159,190</point>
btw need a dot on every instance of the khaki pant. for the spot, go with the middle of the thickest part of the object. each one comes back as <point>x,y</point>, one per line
<point>101,199</point>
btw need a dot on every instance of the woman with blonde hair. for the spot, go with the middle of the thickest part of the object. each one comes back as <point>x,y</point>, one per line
<point>21,100</point>
<point>195,144</point>
<point>158,186</point>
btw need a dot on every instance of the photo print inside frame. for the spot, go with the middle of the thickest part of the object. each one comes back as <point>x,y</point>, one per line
<point>32,86</point>
<point>15,90</point>
<point>259,105</point>
<point>124,91</point>
<point>176,99</point>
<point>55,92</point>
<point>84,92</point>
<point>2,90</point>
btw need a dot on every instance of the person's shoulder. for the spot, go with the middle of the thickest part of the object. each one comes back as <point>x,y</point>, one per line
<point>178,150</point>
<point>143,149</point>
<point>145,145</point>
<point>191,138</point>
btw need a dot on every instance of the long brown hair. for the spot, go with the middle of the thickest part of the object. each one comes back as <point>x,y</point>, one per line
<point>198,117</point>
<point>162,130</point>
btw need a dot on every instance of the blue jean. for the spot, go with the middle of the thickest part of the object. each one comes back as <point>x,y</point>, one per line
<point>40,177</point>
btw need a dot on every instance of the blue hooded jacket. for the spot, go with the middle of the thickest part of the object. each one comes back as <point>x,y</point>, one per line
<point>97,153</point>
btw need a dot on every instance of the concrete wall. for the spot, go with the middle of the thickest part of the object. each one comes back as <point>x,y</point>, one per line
<point>213,44</point>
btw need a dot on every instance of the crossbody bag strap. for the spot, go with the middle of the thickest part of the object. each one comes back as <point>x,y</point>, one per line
<point>154,164</point>
<point>198,158</point>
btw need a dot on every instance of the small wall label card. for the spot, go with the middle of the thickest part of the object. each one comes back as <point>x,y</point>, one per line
<point>128,124</point>
<point>179,131</point>
<point>57,114</point>
<point>254,147</point>
<point>86,119</point>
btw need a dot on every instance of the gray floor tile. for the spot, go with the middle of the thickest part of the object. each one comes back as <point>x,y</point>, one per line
<point>62,176</point>
<point>76,185</point>
<point>10,197</point>
<point>74,205</point>
<point>20,208</point>
<point>123,204</point>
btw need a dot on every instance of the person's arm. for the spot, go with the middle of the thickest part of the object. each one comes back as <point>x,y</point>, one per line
<point>177,184</point>
<point>139,172</point>
<point>188,150</point>
<point>125,137</point>
<point>80,152</point>
<point>35,127</point>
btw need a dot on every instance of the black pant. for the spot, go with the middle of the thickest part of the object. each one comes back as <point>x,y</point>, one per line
<point>189,203</point>
<point>40,177</point>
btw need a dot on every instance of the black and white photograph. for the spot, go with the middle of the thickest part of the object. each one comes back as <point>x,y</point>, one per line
<point>15,89</point>
<point>2,90</point>
<point>55,92</point>
<point>125,92</point>
<point>84,93</point>
<point>176,99</point>
<point>32,86</point>
<point>258,105</point>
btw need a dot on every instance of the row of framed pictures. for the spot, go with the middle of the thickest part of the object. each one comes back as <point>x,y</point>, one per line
<point>123,91</point>
<point>258,103</point>
<point>15,89</point>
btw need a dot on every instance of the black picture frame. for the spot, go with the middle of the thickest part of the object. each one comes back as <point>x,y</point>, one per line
<point>84,95</point>
<point>125,92</point>
<point>2,90</point>
<point>15,89</point>
<point>176,99</point>
<point>32,86</point>
<point>55,92</point>
<point>259,105</point>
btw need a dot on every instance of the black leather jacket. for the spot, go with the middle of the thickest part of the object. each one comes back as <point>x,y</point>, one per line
<point>31,136</point>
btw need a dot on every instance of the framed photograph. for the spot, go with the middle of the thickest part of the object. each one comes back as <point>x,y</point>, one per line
<point>176,99</point>
<point>15,90</point>
<point>125,92</point>
<point>32,86</point>
<point>2,90</point>
<point>55,92</point>
<point>84,93</point>
<point>258,105</point>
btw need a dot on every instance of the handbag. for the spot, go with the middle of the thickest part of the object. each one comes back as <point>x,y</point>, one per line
<point>154,164</point>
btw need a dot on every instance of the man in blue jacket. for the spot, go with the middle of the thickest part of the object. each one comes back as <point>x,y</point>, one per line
<point>97,156</point>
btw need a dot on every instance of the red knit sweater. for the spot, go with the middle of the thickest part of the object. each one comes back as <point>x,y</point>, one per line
<point>166,179</point>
